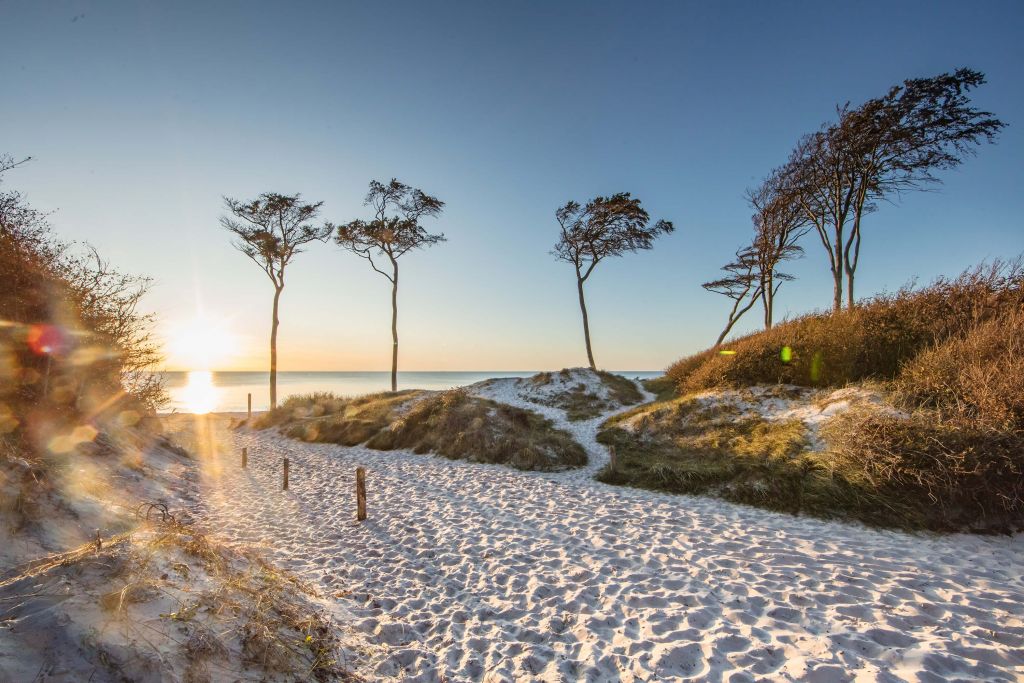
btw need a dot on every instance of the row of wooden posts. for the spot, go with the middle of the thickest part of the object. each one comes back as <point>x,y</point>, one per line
<point>360,483</point>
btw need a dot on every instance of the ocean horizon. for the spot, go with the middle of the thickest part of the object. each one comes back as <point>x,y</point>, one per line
<point>228,390</point>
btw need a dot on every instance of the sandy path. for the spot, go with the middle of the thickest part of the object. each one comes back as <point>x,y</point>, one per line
<point>480,573</point>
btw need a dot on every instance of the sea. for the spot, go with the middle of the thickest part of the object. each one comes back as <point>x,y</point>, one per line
<point>201,391</point>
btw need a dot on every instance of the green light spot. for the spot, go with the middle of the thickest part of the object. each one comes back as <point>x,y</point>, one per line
<point>786,355</point>
<point>726,352</point>
<point>816,363</point>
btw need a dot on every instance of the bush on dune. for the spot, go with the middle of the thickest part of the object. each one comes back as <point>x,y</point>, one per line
<point>306,408</point>
<point>976,377</point>
<point>872,341</point>
<point>950,356</point>
<point>461,426</point>
<point>452,423</point>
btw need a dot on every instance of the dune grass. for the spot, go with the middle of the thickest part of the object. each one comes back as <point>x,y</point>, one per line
<point>167,601</point>
<point>452,423</point>
<point>580,402</point>
<point>872,341</point>
<point>687,445</point>
<point>459,426</point>
<point>950,357</point>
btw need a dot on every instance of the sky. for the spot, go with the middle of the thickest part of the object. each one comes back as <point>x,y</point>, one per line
<point>141,116</point>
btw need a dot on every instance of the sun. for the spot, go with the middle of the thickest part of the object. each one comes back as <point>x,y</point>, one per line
<point>203,343</point>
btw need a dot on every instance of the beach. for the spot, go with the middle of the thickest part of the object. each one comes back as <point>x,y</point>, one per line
<point>472,572</point>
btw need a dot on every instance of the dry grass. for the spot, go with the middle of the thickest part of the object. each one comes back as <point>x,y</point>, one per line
<point>940,475</point>
<point>581,404</point>
<point>457,425</point>
<point>872,341</point>
<point>951,353</point>
<point>452,423</point>
<point>320,404</point>
<point>167,601</point>
<point>975,378</point>
<point>687,446</point>
<point>349,421</point>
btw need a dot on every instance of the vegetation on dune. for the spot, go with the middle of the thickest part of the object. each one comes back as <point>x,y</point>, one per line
<point>581,403</point>
<point>301,410</point>
<point>688,445</point>
<point>949,356</point>
<point>167,598</point>
<point>75,352</point>
<point>457,425</point>
<point>885,470</point>
<point>872,341</point>
<point>452,423</point>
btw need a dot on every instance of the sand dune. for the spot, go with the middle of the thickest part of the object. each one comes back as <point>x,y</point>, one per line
<point>472,572</point>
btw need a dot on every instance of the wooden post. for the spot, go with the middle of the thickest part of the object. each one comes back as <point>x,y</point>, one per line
<point>250,408</point>
<point>360,493</point>
<point>612,463</point>
<point>245,457</point>
<point>285,487</point>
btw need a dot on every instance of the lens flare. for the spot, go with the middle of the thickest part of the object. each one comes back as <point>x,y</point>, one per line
<point>199,395</point>
<point>201,344</point>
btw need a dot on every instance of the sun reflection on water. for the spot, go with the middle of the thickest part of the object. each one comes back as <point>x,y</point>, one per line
<point>199,395</point>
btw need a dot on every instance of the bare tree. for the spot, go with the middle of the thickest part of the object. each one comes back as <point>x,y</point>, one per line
<point>271,230</point>
<point>742,284</point>
<point>817,178</point>
<point>900,140</point>
<point>887,146</point>
<point>605,227</point>
<point>779,223</point>
<point>393,231</point>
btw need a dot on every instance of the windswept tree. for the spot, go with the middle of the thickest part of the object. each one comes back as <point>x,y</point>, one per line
<point>754,275</point>
<point>393,231</point>
<point>887,146</point>
<point>817,178</point>
<point>779,224</point>
<point>742,284</point>
<point>604,227</point>
<point>271,230</point>
<point>901,139</point>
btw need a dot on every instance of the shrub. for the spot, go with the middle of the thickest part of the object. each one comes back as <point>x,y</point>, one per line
<point>977,377</point>
<point>945,476</point>
<point>871,341</point>
<point>460,426</point>
<point>452,423</point>
<point>306,407</point>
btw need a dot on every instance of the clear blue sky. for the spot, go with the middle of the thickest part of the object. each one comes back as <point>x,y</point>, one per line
<point>142,115</point>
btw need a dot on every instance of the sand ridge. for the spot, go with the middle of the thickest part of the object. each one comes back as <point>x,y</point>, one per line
<point>474,572</point>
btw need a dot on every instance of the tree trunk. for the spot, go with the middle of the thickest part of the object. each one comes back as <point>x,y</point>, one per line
<point>849,289</point>
<point>837,288</point>
<point>273,349</point>
<point>394,330</point>
<point>768,299</point>
<point>586,323</point>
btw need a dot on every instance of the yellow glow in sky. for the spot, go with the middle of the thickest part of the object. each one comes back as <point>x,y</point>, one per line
<point>204,343</point>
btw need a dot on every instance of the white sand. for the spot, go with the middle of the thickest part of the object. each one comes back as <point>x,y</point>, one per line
<point>470,572</point>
